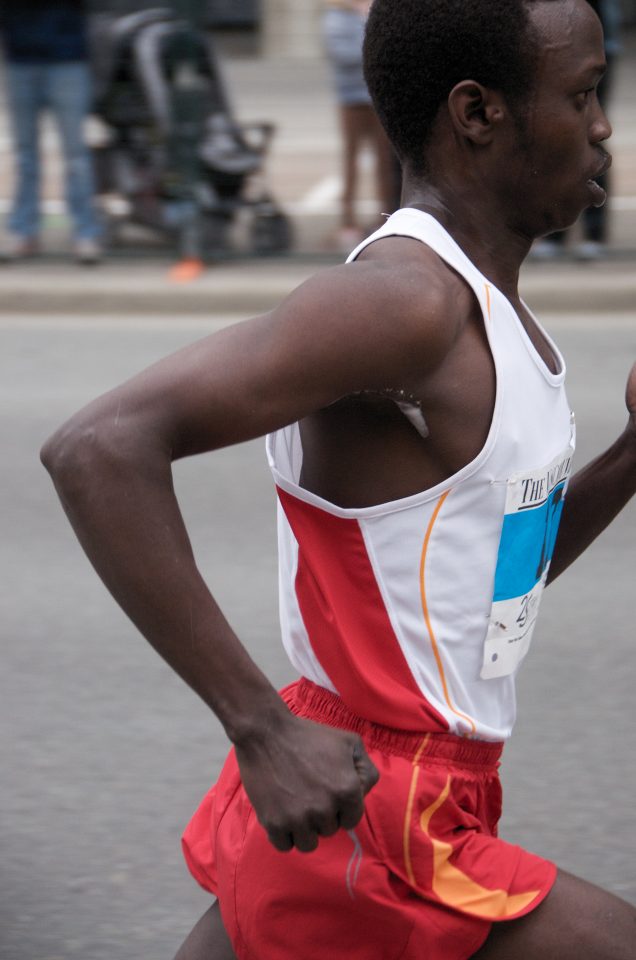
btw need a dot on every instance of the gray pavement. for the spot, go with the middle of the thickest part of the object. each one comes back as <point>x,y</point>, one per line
<point>106,753</point>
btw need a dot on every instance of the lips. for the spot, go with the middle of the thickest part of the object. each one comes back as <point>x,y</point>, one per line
<point>605,164</point>
<point>597,193</point>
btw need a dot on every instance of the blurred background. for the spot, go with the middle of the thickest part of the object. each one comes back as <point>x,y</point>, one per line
<point>216,130</point>
<point>221,139</point>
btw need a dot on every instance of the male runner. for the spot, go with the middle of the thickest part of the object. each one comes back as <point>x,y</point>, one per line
<point>421,443</point>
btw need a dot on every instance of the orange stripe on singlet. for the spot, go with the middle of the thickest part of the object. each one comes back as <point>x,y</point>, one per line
<point>427,619</point>
<point>452,886</point>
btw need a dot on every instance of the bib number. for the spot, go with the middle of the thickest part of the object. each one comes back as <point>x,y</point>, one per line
<point>534,503</point>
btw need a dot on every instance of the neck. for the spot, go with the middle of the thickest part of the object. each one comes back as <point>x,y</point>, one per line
<point>477,225</point>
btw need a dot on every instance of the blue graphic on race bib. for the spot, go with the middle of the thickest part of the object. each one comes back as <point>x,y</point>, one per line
<point>534,503</point>
<point>526,546</point>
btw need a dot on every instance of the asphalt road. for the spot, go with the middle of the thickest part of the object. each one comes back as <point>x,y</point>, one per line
<point>105,753</point>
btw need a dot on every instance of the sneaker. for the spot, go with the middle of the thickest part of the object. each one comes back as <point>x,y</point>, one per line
<point>87,251</point>
<point>16,247</point>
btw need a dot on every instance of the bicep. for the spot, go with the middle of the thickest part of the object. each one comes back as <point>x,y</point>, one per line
<point>338,333</point>
<point>237,384</point>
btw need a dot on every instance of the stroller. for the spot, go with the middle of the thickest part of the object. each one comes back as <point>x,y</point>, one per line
<point>174,160</point>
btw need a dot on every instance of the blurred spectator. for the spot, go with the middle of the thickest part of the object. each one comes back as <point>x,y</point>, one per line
<point>594,220</point>
<point>343,31</point>
<point>46,57</point>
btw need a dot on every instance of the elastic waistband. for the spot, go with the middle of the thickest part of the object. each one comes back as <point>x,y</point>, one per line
<point>312,702</point>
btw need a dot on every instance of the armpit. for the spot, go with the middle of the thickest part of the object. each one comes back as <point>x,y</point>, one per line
<point>407,403</point>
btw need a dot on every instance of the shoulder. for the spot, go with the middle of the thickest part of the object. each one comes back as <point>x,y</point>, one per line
<point>399,300</point>
<point>418,279</point>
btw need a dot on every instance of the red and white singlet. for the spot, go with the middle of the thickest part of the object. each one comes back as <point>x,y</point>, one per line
<point>418,612</point>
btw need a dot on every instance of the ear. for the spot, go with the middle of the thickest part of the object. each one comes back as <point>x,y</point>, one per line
<point>475,111</point>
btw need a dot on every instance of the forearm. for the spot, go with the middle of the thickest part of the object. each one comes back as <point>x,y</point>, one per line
<point>596,495</point>
<point>124,512</point>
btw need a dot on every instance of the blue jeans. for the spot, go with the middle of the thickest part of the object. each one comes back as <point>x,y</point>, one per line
<point>63,88</point>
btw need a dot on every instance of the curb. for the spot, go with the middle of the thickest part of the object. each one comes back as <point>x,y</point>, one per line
<point>253,287</point>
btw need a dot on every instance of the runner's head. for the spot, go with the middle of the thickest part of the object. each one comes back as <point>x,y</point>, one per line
<point>506,89</point>
<point>416,51</point>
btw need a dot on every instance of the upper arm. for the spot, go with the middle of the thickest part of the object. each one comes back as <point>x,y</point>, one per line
<point>353,327</point>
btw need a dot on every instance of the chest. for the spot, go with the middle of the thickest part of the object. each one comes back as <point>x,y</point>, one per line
<point>363,450</point>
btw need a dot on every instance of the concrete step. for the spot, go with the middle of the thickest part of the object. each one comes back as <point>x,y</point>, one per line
<point>247,287</point>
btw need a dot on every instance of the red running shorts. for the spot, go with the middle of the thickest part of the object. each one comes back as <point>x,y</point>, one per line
<point>423,875</point>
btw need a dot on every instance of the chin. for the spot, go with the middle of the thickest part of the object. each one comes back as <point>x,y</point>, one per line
<point>563,222</point>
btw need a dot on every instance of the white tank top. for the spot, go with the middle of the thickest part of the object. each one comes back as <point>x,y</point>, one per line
<point>418,612</point>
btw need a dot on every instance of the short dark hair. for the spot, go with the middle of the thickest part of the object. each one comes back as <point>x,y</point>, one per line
<point>415,51</point>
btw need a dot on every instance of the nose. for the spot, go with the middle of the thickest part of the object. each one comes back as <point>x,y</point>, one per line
<point>601,128</point>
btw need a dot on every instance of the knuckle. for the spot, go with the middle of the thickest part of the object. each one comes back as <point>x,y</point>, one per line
<point>300,825</point>
<point>281,842</point>
<point>328,825</point>
<point>313,818</point>
<point>355,742</point>
<point>306,844</point>
<point>351,815</point>
<point>348,793</point>
<point>373,774</point>
<point>276,827</point>
<point>323,819</point>
<point>351,818</point>
<point>271,823</point>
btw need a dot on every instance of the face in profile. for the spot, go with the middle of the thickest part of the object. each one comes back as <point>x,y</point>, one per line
<point>561,127</point>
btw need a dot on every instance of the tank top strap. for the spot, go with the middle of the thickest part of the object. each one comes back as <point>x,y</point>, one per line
<point>409,222</point>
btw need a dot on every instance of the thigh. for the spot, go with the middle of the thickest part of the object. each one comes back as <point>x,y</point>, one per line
<point>207,940</point>
<point>357,122</point>
<point>24,97</point>
<point>576,921</point>
<point>69,97</point>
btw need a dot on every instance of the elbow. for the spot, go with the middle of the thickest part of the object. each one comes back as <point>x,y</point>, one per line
<point>70,455</point>
<point>80,455</point>
<point>99,450</point>
<point>55,450</point>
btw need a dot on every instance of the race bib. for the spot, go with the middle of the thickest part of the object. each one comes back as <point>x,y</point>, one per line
<point>534,502</point>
